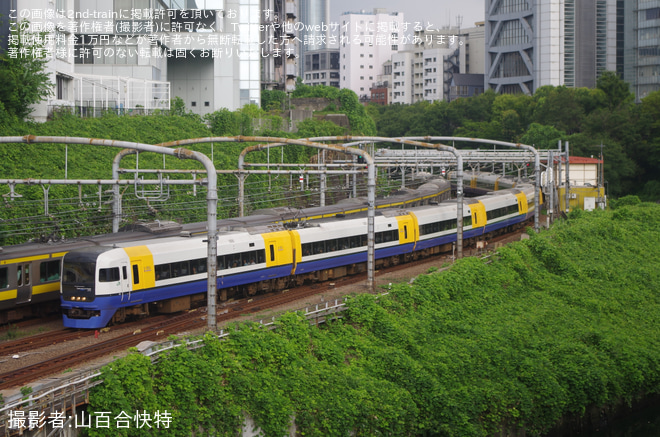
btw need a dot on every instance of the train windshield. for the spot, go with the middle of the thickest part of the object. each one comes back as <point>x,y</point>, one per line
<point>78,272</point>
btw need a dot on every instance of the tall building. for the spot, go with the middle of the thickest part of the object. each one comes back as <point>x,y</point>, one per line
<point>321,67</point>
<point>424,69</point>
<point>134,55</point>
<point>534,43</point>
<point>280,47</point>
<point>642,46</point>
<point>366,41</point>
<point>589,41</point>
<point>315,32</point>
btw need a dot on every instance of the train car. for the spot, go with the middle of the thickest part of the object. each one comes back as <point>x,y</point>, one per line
<point>103,284</point>
<point>29,273</point>
<point>106,284</point>
<point>27,278</point>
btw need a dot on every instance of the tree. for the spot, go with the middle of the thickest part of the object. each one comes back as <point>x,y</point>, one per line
<point>616,90</point>
<point>542,136</point>
<point>22,68</point>
<point>272,99</point>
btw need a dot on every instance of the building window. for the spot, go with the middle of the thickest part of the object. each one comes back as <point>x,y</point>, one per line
<point>653,14</point>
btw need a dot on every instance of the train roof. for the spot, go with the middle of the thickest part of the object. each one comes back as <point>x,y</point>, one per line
<point>266,220</point>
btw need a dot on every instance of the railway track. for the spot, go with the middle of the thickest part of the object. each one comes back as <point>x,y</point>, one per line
<point>162,326</point>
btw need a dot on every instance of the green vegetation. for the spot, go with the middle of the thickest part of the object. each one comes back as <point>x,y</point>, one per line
<point>24,80</point>
<point>584,117</point>
<point>349,104</point>
<point>75,211</point>
<point>557,323</point>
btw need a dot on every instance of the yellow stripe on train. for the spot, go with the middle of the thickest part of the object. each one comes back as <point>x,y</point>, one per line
<point>45,288</point>
<point>31,258</point>
<point>8,295</point>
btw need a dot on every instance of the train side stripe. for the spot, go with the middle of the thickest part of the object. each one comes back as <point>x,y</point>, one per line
<point>8,295</point>
<point>31,258</point>
<point>45,288</point>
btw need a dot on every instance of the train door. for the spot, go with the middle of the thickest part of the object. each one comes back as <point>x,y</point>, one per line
<point>125,278</point>
<point>140,268</point>
<point>23,283</point>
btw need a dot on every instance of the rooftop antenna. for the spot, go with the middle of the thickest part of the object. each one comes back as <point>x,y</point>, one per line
<point>459,21</point>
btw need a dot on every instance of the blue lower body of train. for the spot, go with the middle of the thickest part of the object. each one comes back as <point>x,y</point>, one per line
<point>104,307</point>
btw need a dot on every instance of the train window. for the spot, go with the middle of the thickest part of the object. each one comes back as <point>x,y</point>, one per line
<point>405,232</point>
<point>19,275</point>
<point>232,261</point>
<point>124,272</point>
<point>109,275</point>
<point>261,256</point>
<point>221,262</point>
<point>78,272</point>
<point>162,271</point>
<point>249,258</point>
<point>136,274</point>
<point>318,247</point>
<point>386,236</point>
<point>4,277</point>
<point>198,266</point>
<point>272,252</point>
<point>26,270</point>
<point>180,269</point>
<point>49,271</point>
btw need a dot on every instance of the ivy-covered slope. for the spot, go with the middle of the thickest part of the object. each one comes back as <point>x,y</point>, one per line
<point>73,213</point>
<point>559,322</point>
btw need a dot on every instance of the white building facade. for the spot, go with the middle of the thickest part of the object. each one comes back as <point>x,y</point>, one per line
<point>135,55</point>
<point>366,41</point>
<point>423,70</point>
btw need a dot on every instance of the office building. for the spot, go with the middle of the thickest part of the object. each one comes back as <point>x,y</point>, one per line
<point>366,41</point>
<point>534,43</point>
<point>641,37</point>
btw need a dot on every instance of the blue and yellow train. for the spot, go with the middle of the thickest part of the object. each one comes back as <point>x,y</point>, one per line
<point>30,272</point>
<point>106,284</point>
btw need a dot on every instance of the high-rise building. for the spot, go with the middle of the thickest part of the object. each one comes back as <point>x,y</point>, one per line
<point>315,29</point>
<point>424,69</point>
<point>366,41</point>
<point>280,46</point>
<point>534,43</point>
<point>642,46</point>
<point>321,67</point>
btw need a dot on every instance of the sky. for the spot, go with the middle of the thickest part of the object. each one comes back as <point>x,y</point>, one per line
<point>439,13</point>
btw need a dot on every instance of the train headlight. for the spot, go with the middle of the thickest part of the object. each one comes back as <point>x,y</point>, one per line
<point>84,299</point>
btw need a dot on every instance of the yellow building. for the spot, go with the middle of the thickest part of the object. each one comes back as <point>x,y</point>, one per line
<point>586,189</point>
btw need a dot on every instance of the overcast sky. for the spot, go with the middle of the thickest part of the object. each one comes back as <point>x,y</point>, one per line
<point>440,13</point>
